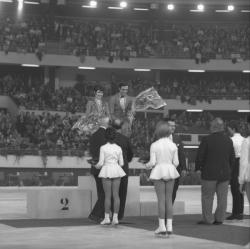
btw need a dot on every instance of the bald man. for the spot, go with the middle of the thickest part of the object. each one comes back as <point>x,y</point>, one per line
<point>215,159</point>
<point>127,152</point>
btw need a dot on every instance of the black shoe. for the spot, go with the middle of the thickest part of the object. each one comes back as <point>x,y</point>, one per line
<point>202,222</point>
<point>217,222</point>
<point>239,217</point>
<point>235,217</point>
<point>95,218</point>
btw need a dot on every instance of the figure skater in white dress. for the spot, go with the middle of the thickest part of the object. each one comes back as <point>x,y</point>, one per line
<point>110,162</point>
<point>163,161</point>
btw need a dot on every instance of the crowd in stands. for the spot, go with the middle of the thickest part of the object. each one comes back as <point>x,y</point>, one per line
<point>29,91</point>
<point>110,39</point>
<point>53,132</point>
<point>191,88</point>
<point>45,132</point>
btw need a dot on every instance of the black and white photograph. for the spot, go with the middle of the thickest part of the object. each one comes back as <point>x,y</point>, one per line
<point>124,124</point>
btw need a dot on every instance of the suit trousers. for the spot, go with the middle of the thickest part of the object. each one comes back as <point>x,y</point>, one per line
<point>98,210</point>
<point>123,196</point>
<point>176,186</point>
<point>238,198</point>
<point>208,190</point>
<point>248,191</point>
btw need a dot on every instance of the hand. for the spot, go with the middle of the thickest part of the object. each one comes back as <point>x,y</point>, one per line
<point>183,173</point>
<point>97,166</point>
<point>242,188</point>
<point>198,172</point>
<point>148,167</point>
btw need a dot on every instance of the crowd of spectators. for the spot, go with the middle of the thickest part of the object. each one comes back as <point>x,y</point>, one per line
<point>47,132</point>
<point>53,133</point>
<point>30,92</point>
<point>192,88</point>
<point>112,39</point>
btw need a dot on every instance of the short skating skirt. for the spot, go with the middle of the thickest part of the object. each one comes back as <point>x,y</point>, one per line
<point>164,172</point>
<point>111,171</point>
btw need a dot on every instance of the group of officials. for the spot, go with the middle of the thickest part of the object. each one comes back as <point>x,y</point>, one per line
<point>217,160</point>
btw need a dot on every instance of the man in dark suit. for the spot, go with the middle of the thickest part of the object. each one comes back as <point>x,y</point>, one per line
<point>215,159</point>
<point>127,152</point>
<point>120,106</point>
<point>95,142</point>
<point>182,168</point>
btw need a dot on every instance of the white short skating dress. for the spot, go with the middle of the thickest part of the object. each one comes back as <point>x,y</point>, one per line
<point>164,160</point>
<point>111,160</point>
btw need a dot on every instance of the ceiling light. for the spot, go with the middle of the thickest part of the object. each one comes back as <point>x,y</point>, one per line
<point>29,65</point>
<point>142,70</point>
<point>142,9</point>
<point>243,110</point>
<point>246,71</point>
<point>194,110</point>
<point>196,71</point>
<point>123,4</point>
<point>87,68</point>
<point>200,7</point>
<point>170,7</point>
<point>115,8</point>
<point>230,8</point>
<point>221,11</point>
<point>93,4</point>
<point>30,2</point>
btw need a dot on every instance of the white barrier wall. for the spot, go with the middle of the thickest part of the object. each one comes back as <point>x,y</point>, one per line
<point>54,162</point>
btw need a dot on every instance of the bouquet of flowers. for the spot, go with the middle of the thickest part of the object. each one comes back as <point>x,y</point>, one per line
<point>148,99</point>
<point>87,125</point>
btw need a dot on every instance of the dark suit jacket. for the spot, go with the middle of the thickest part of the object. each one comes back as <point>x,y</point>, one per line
<point>115,108</point>
<point>127,151</point>
<point>181,154</point>
<point>95,142</point>
<point>215,157</point>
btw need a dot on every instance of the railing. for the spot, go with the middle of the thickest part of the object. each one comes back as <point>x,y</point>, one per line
<point>12,150</point>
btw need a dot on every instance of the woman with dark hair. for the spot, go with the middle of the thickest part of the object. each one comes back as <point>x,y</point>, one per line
<point>97,107</point>
<point>244,175</point>
<point>163,160</point>
<point>110,162</point>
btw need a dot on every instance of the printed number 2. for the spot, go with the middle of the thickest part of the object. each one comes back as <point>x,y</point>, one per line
<point>65,203</point>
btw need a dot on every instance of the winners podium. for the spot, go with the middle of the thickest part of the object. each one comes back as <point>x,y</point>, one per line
<point>77,202</point>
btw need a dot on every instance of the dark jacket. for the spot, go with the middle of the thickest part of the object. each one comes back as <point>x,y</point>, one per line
<point>95,142</point>
<point>127,151</point>
<point>215,157</point>
<point>181,154</point>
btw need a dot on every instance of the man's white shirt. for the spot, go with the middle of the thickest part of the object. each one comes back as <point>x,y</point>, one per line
<point>237,142</point>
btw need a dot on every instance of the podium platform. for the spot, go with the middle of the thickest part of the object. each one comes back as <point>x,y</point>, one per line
<point>55,202</point>
<point>77,202</point>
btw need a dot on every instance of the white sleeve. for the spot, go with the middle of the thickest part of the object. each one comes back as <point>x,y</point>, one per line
<point>120,158</point>
<point>175,157</point>
<point>101,157</point>
<point>152,160</point>
<point>244,163</point>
